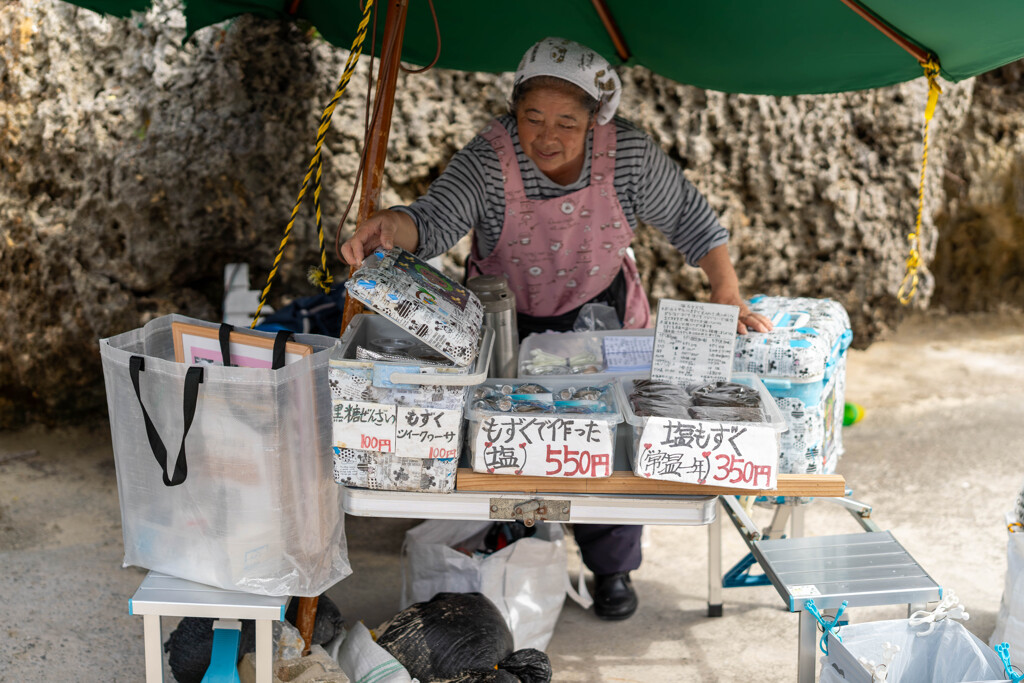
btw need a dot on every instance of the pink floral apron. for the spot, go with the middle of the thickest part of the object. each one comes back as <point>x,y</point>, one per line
<point>560,253</point>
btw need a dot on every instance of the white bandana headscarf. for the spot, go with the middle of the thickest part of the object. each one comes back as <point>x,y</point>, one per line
<point>578,65</point>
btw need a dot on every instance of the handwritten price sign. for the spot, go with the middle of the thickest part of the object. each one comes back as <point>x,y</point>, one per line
<point>411,431</point>
<point>428,432</point>
<point>697,452</point>
<point>364,426</point>
<point>544,446</point>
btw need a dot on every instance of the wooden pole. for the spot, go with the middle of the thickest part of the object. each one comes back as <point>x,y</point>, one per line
<point>618,40</point>
<point>373,175</point>
<point>919,53</point>
<point>377,144</point>
<point>305,620</point>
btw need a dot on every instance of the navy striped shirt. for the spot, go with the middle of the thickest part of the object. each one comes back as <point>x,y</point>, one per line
<point>470,193</point>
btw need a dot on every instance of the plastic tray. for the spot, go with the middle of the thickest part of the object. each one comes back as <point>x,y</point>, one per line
<point>569,344</point>
<point>773,420</point>
<point>385,373</point>
<point>773,417</point>
<point>475,417</point>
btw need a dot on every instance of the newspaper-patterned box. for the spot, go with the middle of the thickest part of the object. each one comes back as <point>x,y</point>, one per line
<point>391,397</point>
<point>802,362</point>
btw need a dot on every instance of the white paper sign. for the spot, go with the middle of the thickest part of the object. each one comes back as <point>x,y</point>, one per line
<point>693,342</point>
<point>364,426</point>
<point>627,353</point>
<point>428,432</point>
<point>544,446</point>
<point>742,456</point>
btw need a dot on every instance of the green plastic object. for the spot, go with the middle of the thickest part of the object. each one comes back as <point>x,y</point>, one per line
<point>742,46</point>
<point>852,414</point>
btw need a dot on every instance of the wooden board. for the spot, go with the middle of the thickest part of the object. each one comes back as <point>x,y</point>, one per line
<point>798,485</point>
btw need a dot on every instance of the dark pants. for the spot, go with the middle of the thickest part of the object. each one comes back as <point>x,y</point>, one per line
<point>606,548</point>
<point>609,548</point>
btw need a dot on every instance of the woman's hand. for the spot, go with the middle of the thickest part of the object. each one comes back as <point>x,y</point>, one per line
<point>725,289</point>
<point>748,320</point>
<point>385,229</point>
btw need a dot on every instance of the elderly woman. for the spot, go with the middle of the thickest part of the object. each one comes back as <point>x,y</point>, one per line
<point>553,192</point>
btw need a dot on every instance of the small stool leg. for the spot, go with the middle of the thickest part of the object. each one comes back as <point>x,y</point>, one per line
<point>264,651</point>
<point>796,523</point>
<point>806,653</point>
<point>715,564</point>
<point>154,658</point>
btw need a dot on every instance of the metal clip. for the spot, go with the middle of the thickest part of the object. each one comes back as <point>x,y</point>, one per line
<point>529,512</point>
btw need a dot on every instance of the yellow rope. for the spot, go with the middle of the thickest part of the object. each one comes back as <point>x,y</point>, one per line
<point>320,276</point>
<point>908,288</point>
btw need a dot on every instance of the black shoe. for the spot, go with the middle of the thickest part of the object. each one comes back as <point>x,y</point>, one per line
<point>614,597</point>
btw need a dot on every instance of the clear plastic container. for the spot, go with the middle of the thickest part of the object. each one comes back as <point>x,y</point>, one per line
<point>600,355</point>
<point>773,420</point>
<point>563,443</point>
<point>383,409</point>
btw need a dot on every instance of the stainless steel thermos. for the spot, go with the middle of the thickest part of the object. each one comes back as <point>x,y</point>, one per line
<point>500,315</point>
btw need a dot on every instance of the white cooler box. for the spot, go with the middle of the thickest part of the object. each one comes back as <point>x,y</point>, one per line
<point>802,362</point>
<point>397,425</point>
<point>563,443</point>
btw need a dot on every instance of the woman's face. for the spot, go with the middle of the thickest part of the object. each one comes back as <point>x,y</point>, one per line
<point>553,129</point>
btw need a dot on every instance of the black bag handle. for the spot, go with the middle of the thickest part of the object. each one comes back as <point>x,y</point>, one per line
<point>280,344</point>
<point>225,343</point>
<point>193,378</point>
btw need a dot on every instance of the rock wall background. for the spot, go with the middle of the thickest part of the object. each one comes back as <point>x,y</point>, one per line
<point>133,169</point>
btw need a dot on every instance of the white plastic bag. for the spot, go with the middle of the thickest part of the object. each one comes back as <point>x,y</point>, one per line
<point>1010,620</point>
<point>364,661</point>
<point>527,580</point>
<point>948,653</point>
<point>224,474</point>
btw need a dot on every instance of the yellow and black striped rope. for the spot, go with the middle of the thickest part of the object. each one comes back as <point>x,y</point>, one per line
<point>321,276</point>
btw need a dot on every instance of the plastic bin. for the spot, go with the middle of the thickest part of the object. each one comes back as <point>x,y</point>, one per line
<point>703,451</point>
<point>602,354</point>
<point>388,415</point>
<point>802,361</point>
<point>560,444</point>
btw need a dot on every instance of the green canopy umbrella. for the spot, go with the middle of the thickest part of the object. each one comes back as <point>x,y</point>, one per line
<point>787,47</point>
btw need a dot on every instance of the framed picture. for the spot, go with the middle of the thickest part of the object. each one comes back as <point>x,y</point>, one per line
<point>198,345</point>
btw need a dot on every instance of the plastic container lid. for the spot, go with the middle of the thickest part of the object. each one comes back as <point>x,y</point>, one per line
<point>421,300</point>
<point>615,415</point>
<point>774,416</point>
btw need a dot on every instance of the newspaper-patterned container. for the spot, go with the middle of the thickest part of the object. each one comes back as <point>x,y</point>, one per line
<point>802,362</point>
<point>389,415</point>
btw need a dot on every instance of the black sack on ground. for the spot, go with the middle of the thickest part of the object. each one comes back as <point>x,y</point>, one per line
<point>190,646</point>
<point>460,638</point>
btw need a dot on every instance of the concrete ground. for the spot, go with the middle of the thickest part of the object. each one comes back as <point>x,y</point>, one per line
<point>939,455</point>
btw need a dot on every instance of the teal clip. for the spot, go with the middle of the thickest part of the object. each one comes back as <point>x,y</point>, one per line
<point>1003,650</point>
<point>827,628</point>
